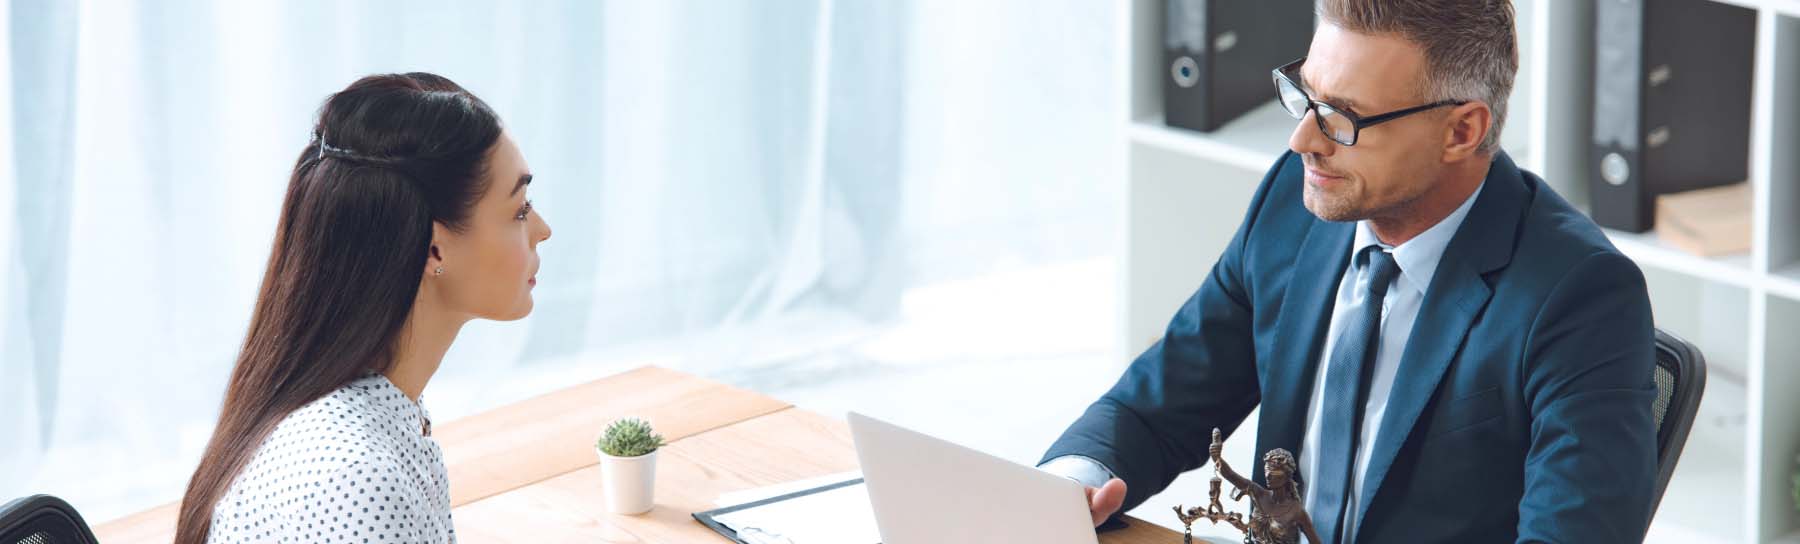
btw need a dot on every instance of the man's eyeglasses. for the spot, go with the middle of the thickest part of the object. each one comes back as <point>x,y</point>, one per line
<point>1340,126</point>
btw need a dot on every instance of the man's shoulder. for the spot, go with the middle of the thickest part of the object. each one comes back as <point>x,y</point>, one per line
<point>1555,238</point>
<point>1560,252</point>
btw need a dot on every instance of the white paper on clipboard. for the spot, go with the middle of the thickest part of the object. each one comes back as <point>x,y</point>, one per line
<point>836,516</point>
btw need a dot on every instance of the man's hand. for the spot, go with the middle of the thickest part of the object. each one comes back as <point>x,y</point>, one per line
<point>1105,500</point>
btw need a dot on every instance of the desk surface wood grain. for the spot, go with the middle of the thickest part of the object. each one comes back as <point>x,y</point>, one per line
<point>790,445</point>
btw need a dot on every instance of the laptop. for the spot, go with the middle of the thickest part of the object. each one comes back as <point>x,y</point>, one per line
<point>929,491</point>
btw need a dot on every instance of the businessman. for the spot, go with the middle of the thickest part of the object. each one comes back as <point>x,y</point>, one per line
<point>1456,353</point>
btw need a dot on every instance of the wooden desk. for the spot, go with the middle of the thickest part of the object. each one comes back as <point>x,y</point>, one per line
<point>527,472</point>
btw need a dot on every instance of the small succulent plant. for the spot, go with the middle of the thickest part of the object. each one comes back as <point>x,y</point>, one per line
<point>629,437</point>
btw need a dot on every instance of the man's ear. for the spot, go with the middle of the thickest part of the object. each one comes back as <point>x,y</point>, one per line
<point>1468,126</point>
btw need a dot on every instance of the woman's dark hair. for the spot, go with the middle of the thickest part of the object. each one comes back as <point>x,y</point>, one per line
<point>390,155</point>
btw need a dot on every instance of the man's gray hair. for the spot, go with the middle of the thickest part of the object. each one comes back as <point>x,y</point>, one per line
<point>1471,48</point>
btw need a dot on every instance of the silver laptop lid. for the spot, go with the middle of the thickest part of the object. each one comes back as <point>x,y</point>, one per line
<point>929,491</point>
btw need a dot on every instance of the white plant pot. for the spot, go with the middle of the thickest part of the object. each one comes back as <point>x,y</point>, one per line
<point>629,482</point>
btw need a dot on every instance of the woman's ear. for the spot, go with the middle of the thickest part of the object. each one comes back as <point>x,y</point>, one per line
<point>434,259</point>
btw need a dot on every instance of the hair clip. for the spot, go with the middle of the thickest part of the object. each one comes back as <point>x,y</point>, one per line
<point>323,147</point>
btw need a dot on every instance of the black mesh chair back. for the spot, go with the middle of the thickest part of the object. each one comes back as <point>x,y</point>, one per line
<point>1680,378</point>
<point>42,519</point>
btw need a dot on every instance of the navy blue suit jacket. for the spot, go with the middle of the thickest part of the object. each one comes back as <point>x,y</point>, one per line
<point>1521,409</point>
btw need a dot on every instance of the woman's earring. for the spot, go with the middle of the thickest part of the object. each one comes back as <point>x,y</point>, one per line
<point>439,271</point>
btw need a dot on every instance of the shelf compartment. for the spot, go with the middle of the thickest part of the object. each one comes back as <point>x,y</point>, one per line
<point>1778,424</point>
<point>1706,499</point>
<point>1782,172</point>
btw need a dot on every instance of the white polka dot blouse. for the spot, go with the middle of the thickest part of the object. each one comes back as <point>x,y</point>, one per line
<point>356,465</point>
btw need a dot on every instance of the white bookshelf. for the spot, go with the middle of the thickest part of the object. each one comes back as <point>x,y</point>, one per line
<point>1187,192</point>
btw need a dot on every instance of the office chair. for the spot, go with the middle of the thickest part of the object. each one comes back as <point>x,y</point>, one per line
<point>1680,378</point>
<point>42,519</point>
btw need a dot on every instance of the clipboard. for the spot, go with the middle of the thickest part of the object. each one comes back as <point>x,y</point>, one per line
<point>708,518</point>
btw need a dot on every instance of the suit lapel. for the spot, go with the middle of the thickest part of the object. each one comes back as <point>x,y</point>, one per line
<point>1305,312</point>
<point>1456,296</point>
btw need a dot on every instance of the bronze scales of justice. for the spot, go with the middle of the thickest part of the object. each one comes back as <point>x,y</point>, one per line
<point>1277,513</point>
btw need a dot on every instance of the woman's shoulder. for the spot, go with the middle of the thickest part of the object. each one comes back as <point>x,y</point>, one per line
<point>343,421</point>
<point>347,428</point>
<point>339,452</point>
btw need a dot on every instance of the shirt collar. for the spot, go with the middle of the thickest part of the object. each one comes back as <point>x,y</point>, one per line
<point>388,398</point>
<point>1418,258</point>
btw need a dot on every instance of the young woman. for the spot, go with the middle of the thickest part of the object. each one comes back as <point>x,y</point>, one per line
<point>405,217</point>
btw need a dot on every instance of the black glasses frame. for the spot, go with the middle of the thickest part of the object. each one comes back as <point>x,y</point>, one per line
<point>1288,74</point>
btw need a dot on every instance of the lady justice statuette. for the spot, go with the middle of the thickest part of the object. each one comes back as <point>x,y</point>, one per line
<point>1277,515</point>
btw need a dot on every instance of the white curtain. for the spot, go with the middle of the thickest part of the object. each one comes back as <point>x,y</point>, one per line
<point>730,183</point>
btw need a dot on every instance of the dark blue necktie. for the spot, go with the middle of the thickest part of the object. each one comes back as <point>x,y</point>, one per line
<point>1346,391</point>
